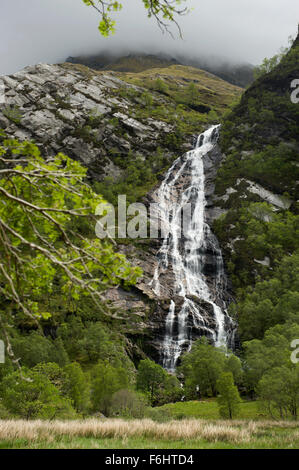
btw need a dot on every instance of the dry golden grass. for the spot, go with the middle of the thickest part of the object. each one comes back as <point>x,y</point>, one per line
<point>234,432</point>
<point>211,87</point>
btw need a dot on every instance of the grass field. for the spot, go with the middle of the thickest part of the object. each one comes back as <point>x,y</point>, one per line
<point>208,409</point>
<point>146,434</point>
<point>182,425</point>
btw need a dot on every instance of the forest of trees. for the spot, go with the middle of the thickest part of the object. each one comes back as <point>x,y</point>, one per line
<point>63,359</point>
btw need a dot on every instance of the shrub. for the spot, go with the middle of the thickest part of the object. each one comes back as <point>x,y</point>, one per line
<point>105,381</point>
<point>128,404</point>
<point>229,399</point>
<point>28,394</point>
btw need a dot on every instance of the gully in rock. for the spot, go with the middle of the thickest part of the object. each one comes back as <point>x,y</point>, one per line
<point>186,256</point>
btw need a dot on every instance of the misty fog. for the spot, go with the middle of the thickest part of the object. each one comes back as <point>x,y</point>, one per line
<point>243,31</point>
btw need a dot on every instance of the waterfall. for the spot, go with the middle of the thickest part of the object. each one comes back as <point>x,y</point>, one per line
<point>195,298</point>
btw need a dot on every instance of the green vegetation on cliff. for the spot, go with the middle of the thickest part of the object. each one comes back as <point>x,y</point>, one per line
<point>185,100</point>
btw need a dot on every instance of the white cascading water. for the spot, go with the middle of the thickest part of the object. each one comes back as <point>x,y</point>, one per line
<point>186,255</point>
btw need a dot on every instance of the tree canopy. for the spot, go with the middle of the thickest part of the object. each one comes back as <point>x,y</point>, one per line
<point>44,204</point>
<point>229,398</point>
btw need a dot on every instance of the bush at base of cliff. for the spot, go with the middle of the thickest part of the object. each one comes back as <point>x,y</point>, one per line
<point>30,395</point>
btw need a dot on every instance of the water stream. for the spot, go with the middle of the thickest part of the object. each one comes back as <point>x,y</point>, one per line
<point>185,250</point>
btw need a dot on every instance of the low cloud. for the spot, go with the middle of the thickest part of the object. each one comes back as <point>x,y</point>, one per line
<point>51,30</point>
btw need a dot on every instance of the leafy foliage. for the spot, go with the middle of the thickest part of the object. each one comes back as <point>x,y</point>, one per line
<point>77,387</point>
<point>272,301</point>
<point>279,392</point>
<point>35,348</point>
<point>41,203</point>
<point>151,378</point>
<point>40,200</point>
<point>128,404</point>
<point>34,396</point>
<point>271,63</point>
<point>260,239</point>
<point>52,267</point>
<point>229,398</point>
<point>161,10</point>
<point>203,366</point>
<point>106,379</point>
<point>270,373</point>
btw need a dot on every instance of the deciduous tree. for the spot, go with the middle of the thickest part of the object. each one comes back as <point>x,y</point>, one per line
<point>150,378</point>
<point>34,397</point>
<point>163,11</point>
<point>229,398</point>
<point>41,201</point>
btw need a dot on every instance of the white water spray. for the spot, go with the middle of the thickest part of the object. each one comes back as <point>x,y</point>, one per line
<point>186,256</point>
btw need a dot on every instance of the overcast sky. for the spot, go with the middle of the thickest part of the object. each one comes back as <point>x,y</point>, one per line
<point>33,31</point>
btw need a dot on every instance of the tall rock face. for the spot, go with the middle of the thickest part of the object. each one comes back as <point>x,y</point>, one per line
<point>185,291</point>
<point>99,120</point>
<point>87,115</point>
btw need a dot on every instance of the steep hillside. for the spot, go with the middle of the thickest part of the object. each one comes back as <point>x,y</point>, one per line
<point>127,63</point>
<point>109,123</point>
<point>131,133</point>
<point>257,188</point>
<point>198,89</point>
<point>237,74</point>
<point>127,136</point>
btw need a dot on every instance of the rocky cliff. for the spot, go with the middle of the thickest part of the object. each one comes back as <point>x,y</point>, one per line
<point>107,123</point>
<point>80,113</point>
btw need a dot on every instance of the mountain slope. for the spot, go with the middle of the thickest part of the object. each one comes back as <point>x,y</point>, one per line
<point>127,136</point>
<point>127,63</point>
<point>240,75</point>
<point>106,122</point>
<point>210,92</point>
<point>257,187</point>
